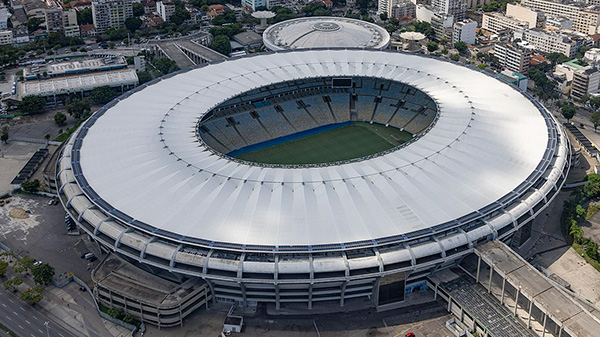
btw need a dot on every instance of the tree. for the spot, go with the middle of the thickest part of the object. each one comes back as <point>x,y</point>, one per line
<point>482,66</point>
<point>555,58</point>
<point>114,312</point>
<point>595,118</point>
<point>138,9</point>
<point>103,94</point>
<point>33,24</point>
<point>165,65</point>
<point>425,28</point>
<point>454,57</point>
<point>133,24</point>
<point>32,295</point>
<point>12,284</point>
<point>84,16</point>
<point>30,186</point>
<point>43,273</point>
<point>4,135</point>
<point>3,268</point>
<point>144,76</point>
<point>432,46</point>
<point>576,232</point>
<point>60,118</point>
<point>32,104</point>
<point>78,108</point>
<point>595,102</point>
<point>568,110</point>
<point>24,264</point>
<point>461,47</point>
<point>221,44</point>
<point>383,16</point>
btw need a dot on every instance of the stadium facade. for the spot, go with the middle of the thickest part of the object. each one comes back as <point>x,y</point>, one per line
<point>143,178</point>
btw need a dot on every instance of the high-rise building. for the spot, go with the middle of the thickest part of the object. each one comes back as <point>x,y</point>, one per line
<point>165,9</point>
<point>456,8</point>
<point>585,81</point>
<point>476,4</point>
<point>497,22</point>
<point>403,9</point>
<point>111,13</point>
<point>512,57</point>
<point>585,20</point>
<point>54,19</point>
<point>464,31</point>
<point>552,41</point>
<point>532,17</point>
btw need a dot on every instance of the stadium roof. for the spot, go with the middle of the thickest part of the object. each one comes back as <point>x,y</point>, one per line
<point>316,32</point>
<point>144,163</point>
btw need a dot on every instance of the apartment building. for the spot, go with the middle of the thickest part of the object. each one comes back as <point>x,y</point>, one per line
<point>165,9</point>
<point>111,13</point>
<point>403,9</point>
<point>512,57</point>
<point>474,4</point>
<point>498,22</point>
<point>6,37</point>
<point>550,41</point>
<point>456,8</point>
<point>532,17</point>
<point>585,81</point>
<point>587,21</point>
<point>464,31</point>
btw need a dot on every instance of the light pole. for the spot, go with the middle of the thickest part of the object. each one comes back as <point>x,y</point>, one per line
<point>46,323</point>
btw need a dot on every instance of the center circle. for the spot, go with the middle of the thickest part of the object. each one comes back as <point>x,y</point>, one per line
<point>317,121</point>
<point>326,26</point>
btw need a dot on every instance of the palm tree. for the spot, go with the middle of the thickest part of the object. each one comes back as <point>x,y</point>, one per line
<point>576,232</point>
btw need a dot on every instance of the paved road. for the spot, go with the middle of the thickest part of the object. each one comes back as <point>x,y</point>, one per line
<point>24,320</point>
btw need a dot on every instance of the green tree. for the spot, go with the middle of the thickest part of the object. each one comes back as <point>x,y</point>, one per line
<point>181,14</point>
<point>595,118</point>
<point>568,111</point>
<point>482,66</point>
<point>32,295</point>
<point>461,47</point>
<point>115,312</point>
<point>221,44</point>
<point>424,27</point>
<point>60,118</point>
<point>43,273</point>
<point>12,284</point>
<point>30,186</point>
<point>576,232</point>
<point>133,23</point>
<point>556,58</point>
<point>3,268</point>
<point>4,135</point>
<point>595,102</point>
<point>454,57</point>
<point>144,76</point>
<point>383,16</point>
<point>165,65</point>
<point>103,94</point>
<point>84,16</point>
<point>79,108</point>
<point>33,24</point>
<point>432,46</point>
<point>32,104</point>
<point>138,9</point>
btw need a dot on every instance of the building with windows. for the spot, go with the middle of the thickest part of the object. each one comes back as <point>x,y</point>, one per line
<point>165,9</point>
<point>456,8</point>
<point>550,41</point>
<point>586,80</point>
<point>532,17</point>
<point>497,22</point>
<point>354,233</point>
<point>3,18</point>
<point>111,13</point>
<point>512,57</point>
<point>54,19</point>
<point>464,31</point>
<point>585,19</point>
<point>403,9</point>
<point>6,37</point>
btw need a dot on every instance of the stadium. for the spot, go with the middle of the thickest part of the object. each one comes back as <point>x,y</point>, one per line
<point>324,178</point>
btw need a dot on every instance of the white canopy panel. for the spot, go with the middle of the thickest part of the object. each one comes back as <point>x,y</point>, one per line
<point>143,158</point>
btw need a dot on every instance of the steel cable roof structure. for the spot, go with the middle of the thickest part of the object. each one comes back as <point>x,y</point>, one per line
<point>138,179</point>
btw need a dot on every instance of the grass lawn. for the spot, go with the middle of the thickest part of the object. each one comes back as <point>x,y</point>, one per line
<point>348,142</point>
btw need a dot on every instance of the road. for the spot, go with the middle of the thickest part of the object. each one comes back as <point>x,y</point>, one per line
<point>24,320</point>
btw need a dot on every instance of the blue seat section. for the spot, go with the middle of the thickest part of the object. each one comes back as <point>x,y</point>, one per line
<point>289,109</point>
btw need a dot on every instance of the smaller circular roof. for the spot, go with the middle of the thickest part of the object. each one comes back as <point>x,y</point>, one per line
<point>324,32</point>
<point>413,36</point>
<point>263,15</point>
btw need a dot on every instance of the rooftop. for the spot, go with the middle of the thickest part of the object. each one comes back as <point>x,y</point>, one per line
<point>71,67</point>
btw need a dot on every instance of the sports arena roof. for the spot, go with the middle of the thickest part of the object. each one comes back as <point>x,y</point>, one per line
<point>141,162</point>
<point>318,32</point>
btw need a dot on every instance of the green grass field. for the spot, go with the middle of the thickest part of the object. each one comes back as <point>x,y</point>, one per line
<point>348,142</point>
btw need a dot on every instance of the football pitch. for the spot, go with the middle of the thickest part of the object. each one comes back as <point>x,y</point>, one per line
<point>356,140</point>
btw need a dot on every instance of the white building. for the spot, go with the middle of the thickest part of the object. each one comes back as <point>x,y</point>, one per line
<point>586,81</point>
<point>560,23</point>
<point>585,20</point>
<point>6,37</point>
<point>592,55</point>
<point>548,41</point>
<point>497,22</point>
<point>3,18</point>
<point>526,14</point>
<point>165,9</point>
<point>456,8</point>
<point>512,57</point>
<point>464,31</point>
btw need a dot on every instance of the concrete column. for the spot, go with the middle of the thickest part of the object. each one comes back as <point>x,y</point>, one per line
<point>435,292</point>
<point>490,280</point>
<point>478,269</point>
<point>560,331</point>
<point>529,318</point>
<point>310,295</point>
<point>544,331</point>
<point>503,287</point>
<point>517,301</point>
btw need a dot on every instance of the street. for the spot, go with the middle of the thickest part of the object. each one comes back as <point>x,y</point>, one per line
<point>24,320</point>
